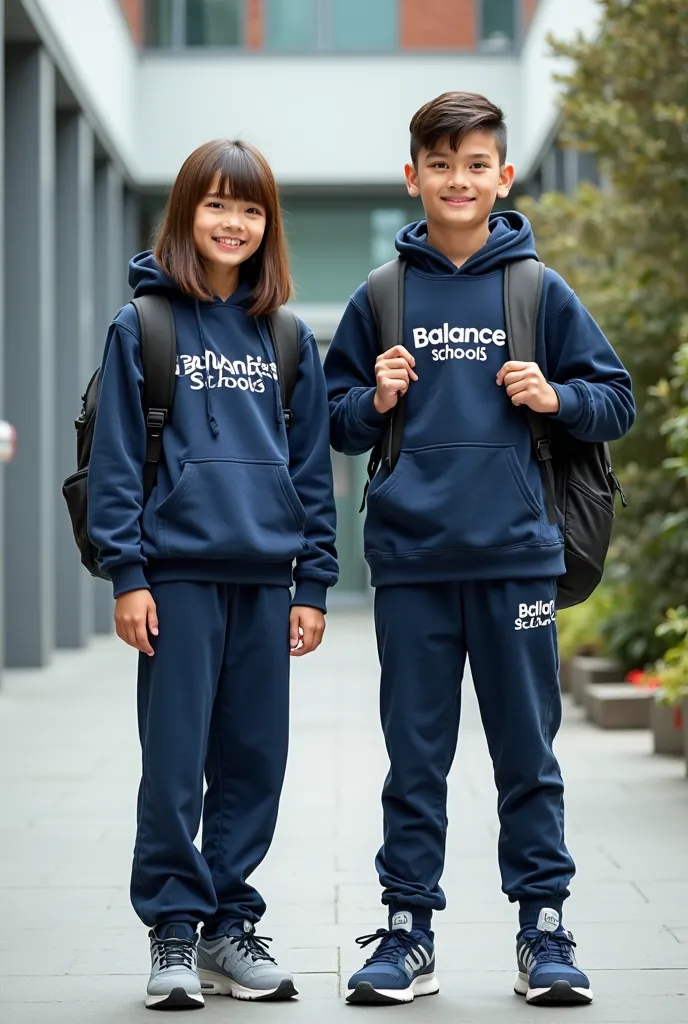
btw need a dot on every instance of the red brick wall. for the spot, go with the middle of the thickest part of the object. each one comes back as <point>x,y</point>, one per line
<point>528,9</point>
<point>438,25</point>
<point>133,12</point>
<point>254,24</point>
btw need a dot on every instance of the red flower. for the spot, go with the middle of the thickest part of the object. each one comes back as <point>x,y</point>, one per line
<point>636,677</point>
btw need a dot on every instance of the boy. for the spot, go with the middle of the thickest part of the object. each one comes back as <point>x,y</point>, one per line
<point>457,539</point>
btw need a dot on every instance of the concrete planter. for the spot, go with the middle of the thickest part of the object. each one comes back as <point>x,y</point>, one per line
<point>586,670</point>
<point>618,705</point>
<point>667,732</point>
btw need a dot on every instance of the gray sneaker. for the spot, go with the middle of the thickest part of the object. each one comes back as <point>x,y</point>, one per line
<point>239,965</point>
<point>173,983</point>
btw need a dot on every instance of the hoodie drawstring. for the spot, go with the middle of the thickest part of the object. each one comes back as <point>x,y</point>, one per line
<point>212,422</point>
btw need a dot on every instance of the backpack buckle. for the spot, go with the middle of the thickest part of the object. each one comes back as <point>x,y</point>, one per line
<point>287,418</point>
<point>544,449</point>
<point>155,421</point>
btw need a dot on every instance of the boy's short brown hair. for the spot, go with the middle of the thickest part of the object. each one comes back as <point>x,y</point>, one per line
<point>453,115</point>
<point>243,173</point>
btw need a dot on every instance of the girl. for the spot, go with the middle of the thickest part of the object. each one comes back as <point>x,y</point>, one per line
<point>202,571</point>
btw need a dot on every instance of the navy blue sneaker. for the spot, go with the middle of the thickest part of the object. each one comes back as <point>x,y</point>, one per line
<point>548,974</point>
<point>401,968</point>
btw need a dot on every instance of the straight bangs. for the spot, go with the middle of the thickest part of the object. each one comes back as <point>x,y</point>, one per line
<point>243,174</point>
<point>241,177</point>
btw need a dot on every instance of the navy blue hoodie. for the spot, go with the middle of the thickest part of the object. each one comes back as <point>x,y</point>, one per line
<point>466,500</point>
<point>235,499</point>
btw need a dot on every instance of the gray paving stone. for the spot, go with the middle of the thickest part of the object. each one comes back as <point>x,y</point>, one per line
<point>69,760</point>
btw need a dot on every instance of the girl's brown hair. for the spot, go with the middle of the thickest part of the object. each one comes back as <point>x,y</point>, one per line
<point>244,174</point>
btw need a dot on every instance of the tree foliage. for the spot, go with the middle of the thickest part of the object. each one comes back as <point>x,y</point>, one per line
<point>624,248</point>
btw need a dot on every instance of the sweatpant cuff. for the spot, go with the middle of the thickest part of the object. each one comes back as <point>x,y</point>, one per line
<point>529,910</point>
<point>421,918</point>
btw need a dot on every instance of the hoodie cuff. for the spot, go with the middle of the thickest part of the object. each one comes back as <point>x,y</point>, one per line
<point>126,577</point>
<point>311,594</point>
<point>368,414</point>
<point>569,404</point>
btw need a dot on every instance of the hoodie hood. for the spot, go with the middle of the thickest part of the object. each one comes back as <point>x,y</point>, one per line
<point>511,238</point>
<point>147,277</point>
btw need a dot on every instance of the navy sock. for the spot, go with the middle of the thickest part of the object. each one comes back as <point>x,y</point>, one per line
<point>421,919</point>
<point>530,910</point>
<point>175,930</point>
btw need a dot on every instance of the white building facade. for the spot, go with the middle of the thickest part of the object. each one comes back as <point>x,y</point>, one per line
<point>104,99</point>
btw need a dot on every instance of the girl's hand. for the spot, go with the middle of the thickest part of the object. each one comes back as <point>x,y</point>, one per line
<point>525,385</point>
<point>306,628</point>
<point>135,615</point>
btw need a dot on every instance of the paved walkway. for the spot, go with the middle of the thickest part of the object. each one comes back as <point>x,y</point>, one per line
<point>72,951</point>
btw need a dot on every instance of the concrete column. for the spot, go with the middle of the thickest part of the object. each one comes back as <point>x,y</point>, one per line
<point>549,171</point>
<point>110,273</point>
<point>31,492</point>
<point>131,236</point>
<point>2,324</point>
<point>74,325</point>
<point>571,171</point>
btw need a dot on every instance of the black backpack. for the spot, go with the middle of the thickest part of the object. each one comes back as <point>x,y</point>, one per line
<point>580,483</point>
<point>159,360</point>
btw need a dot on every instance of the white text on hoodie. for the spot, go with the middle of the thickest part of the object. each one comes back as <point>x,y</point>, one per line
<point>246,374</point>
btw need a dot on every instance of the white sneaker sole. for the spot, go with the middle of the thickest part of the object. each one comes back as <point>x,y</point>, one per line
<point>364,993</point>
<point>558,994</point>
<point>220,985</point>
<point>177,999</point>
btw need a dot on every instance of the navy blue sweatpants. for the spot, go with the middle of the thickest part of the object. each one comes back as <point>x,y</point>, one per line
<point>508,631</point>
<point>214,699</point>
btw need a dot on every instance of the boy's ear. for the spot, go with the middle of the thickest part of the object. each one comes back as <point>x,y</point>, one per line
<point>506,180</point>
<point>411,175</point>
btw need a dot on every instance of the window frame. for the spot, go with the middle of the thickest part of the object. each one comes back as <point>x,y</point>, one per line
<point>179,42</point>
<point>516,42</point>
<point>324,35</point>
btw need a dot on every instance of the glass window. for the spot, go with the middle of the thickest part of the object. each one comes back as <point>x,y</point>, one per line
<point>291,25</point>
<point>498,24</point>
<point>159,23</point>
<point>588,169</point>
<point>214,22</point>
<point>385,224</point>
<point>364,25</point>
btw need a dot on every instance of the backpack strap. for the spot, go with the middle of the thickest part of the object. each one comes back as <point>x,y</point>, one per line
<point>523,283</point>
<point>285,333</point>
<point>386,298</point>
<point>158,341</point>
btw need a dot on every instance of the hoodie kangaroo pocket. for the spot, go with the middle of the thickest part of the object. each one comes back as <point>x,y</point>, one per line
<point>232,509</point>
<point>453,497</point>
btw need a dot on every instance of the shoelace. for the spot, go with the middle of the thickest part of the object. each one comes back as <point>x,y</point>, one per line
<point>390,941</point>
<point>553,948</point>
<point>255,945</point>
<point>175,953</point>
